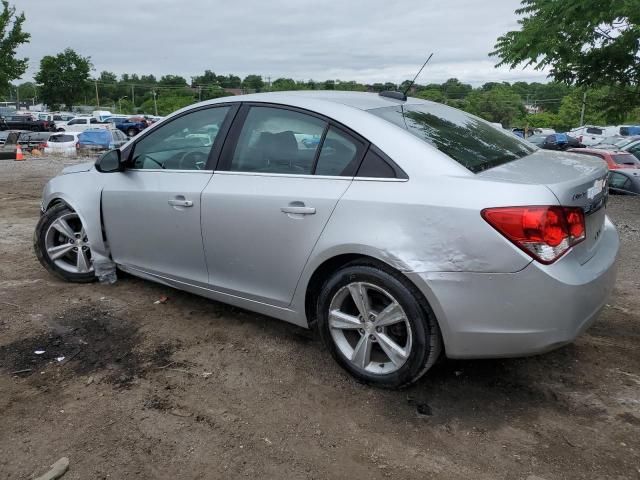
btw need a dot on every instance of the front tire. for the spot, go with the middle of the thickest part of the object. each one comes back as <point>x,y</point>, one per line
<point>62,247</point>
<point>375,326</point>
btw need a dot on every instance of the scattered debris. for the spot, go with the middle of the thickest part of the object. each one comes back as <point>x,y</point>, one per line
<point>39,352</point>
<point>424,409</point>
<point>267,441</point>
<point>179,412</point>
<point>18,372</point>
<point>90,380</point>
<point>60,358</point>
<point>11,305</point>
<point>163,299</point>
<point>207,374</point>
<point>57,470</point>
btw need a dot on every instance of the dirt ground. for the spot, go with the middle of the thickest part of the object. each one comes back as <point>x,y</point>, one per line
<point>195,389</point>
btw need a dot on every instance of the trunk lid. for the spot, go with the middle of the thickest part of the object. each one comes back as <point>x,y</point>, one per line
<point>576,180</point>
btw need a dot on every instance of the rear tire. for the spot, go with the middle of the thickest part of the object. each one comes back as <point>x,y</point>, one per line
<point>61,245</point>
<point>397,342</point>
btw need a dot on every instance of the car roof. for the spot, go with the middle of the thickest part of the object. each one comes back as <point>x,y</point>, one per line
<point>601,151</point>
<point>359,100</point>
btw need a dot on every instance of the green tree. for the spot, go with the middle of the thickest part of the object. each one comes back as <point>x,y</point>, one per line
<point>499,104</point>
<point>281,84</point>
<point>63,78</point>
<point>172,81</point>
<point>585,42</point>
<point>11,37</point>
<point>27,90</point>
<point>253,82</point>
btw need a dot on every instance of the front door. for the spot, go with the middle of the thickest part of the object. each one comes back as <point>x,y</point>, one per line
<point>282,177</point>
<point>152,209</point>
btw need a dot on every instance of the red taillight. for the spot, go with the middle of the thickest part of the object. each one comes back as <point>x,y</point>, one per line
<point>544,232</point>
<point>580,139</point>
<point>77,145</point>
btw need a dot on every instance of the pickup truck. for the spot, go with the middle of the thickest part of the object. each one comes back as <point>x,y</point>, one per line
<point>130,126</point>
<point>80,124</point>
<point>27,122</point>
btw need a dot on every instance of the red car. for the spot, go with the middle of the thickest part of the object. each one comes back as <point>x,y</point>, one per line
<point>615,159</point>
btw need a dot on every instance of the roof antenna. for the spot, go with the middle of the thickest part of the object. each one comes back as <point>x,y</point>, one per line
<point>414,78</point>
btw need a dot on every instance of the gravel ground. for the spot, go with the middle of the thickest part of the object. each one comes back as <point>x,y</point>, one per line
<point>192,388</point>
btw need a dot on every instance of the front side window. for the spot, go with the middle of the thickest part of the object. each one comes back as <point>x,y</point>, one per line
<point>473,143</point>
<point>276,140</point>
<point>183,143</point>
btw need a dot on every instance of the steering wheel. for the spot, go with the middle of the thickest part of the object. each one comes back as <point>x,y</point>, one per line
<point>193,159</point>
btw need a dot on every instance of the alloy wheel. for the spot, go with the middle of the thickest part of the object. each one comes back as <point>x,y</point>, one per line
<point>370,328</point>
<point>67,244</point>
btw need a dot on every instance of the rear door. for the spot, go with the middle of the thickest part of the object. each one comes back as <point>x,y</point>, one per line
<point>282,173</point>
<point>152,209</point>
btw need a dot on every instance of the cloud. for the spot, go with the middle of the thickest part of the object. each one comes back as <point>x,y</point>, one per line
<point>364,40</point>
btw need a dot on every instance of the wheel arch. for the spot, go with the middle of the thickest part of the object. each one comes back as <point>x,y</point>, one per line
<point>335,263</point>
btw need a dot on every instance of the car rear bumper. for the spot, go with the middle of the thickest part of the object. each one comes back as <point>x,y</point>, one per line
<point>532,311</point>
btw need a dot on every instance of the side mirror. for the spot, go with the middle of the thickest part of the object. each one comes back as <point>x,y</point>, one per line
<point>110,162</point>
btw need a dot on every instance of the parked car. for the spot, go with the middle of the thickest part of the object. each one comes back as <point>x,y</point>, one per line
<point>9,144</point>
<point>624,182</point>
<point>28,122</point>
<point>129,125</point>
<point>555,141</point>
<point>98,140</point>
<point>632,147</point>
<point>412,229</point>
<point>589,134</point>
<point>63,143</point>
<point>614,159</point>
<point>32,140</point>
<point>80,124</point>
<point>614,142</point>
<point>629,130</point>
<point>3,124</point>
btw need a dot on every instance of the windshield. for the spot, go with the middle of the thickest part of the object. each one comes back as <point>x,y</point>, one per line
<point>473,143</point>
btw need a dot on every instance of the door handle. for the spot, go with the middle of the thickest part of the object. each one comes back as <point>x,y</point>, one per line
<point>298,210</point>
<point>180,202</point>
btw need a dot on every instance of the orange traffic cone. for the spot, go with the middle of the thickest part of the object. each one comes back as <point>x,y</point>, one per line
<point>19,154</point>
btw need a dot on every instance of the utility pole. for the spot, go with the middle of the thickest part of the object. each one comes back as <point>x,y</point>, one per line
<point>133,96</point>
<point>18,97</point>
<point>199,93</point>
<point>97,97</point>
<point>584,103</point>
<point>155,103</point>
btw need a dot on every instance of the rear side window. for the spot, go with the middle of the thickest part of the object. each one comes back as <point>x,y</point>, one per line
<point>374,166</point>
<point>473,143</point>
<point>622,159</point>
<point>594,131</point>
<point>276,140</point>
<point>339,154</point>
<point>61,138</point>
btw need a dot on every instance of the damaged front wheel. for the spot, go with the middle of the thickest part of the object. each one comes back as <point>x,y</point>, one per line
<point>61,244</point>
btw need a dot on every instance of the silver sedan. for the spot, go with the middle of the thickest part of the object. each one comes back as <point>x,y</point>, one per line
<point>400,229</point>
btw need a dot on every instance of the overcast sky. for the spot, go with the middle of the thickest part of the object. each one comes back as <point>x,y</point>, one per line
<point>364,40</point>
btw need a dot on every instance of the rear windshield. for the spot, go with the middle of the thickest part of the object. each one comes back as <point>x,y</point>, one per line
<point>61,138</point>
<point>101,136</point>
<point>622,159</point>
<point>473,143</point>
